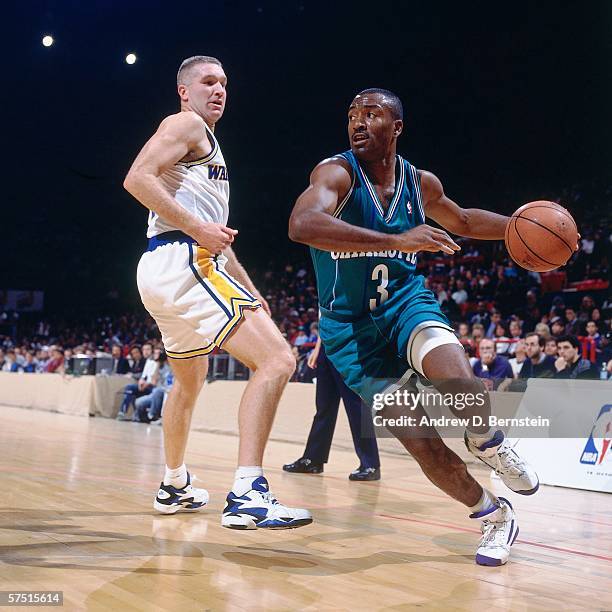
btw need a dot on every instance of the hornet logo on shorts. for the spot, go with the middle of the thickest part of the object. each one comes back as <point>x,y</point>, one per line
<point>598,444</point>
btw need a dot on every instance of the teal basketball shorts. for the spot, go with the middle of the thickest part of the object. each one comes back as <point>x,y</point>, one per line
<point>371,352</point>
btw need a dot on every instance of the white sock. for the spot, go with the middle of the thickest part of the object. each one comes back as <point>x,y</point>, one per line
<point>243,480</point>
<point>176,477</point>
<point>488,500</point>
<point>480,438</point>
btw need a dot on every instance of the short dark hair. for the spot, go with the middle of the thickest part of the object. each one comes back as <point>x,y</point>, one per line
<point>541,339</point>
<point>393,101</point>
<point>571,339</point>
<point>184,70</point>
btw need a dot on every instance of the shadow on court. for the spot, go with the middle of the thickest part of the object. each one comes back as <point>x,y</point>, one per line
<point>75,547</point>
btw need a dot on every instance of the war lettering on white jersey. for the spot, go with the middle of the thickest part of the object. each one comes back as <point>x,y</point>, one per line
<point>201,186</point>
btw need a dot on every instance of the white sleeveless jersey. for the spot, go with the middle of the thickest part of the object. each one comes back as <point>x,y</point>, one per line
<point>201,186</point>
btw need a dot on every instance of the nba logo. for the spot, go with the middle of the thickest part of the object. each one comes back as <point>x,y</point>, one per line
<point>598,443</point>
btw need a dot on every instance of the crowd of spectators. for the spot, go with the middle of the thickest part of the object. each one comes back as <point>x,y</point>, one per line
<point>494,305</point>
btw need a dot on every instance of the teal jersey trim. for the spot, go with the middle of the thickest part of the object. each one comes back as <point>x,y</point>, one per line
<point>352,284</point>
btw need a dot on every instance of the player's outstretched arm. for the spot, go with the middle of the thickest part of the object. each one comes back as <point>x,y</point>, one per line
<point>313,222</point>
<point>468,222</point>
<point>175,137</point>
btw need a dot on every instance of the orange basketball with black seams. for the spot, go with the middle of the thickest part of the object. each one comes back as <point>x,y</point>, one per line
<point>541,236</point>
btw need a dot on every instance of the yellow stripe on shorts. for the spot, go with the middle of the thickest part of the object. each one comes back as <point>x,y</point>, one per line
<point>235,298</point>
<point>194,353</point>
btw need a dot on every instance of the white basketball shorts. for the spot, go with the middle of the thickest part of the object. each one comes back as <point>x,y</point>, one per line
<point>194,301</point>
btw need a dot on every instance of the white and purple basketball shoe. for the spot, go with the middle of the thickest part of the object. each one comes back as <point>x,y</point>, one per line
<point>259,509</point>
<point>499,530</point>
<point>515,472</point>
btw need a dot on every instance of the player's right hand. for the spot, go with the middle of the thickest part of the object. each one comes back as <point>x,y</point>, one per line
<point>426,238</point>
<point>214,237</point>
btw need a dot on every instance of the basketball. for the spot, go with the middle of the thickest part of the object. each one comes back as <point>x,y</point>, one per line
<point>541,236</point>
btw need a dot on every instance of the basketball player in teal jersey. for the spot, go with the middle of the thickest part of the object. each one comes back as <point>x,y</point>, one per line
<point>363,216</point>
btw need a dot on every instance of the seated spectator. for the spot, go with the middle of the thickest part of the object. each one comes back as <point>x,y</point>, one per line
<point>604,354</point>
<point>440,293</point>
<point>460,296</point>
<point>120,364</point>
<point>42,359</point>
<point>569,364</point>
<point>596,316</point>
<point>20,357</point>
<point>586,308</point>
<point>492,368</point>
<point>139,360</point>
<point>572,325</point>
<point>516,331</point>
<point>501,339</point>
<point>463,333</point>
<point>558,308</point>
<point>304,341</point>
<point>148,408</point>
<point>542,329</point>
<point>496,320</point>
<point>520,355</point>
<point>30,363</point>
<point>592,334</point>
<point>2,359</point>
<point>550,348</point>
<point>557,327</point>
<point>481,315</point>
<point>538,364</point>
<point>478,331</point>
<point>145,385</point>
<point>10,362</point>
<point>56,363</point>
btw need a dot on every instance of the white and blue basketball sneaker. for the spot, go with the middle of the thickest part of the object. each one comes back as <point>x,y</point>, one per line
<point>170,500</point>
<point>499,531</point>
<point>515,472</point>
<point>259,509</point>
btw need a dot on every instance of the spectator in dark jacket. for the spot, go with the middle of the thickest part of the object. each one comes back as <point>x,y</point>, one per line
<point>120,364</point>
<point>492,368</point>
<point>569,364</point>
<point>138,362</point>
<point>30,364</point>
<point>537,364</point>
<point>557,327</point>
<point>572,327</point>
<point>481,315</point>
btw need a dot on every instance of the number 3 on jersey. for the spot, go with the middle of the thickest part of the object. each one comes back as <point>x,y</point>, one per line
<point>381,274</point>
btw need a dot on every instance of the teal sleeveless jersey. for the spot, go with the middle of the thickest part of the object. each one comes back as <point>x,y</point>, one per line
<point>355,283</point>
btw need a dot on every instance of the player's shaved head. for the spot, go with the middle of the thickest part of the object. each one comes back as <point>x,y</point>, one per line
<point>391,100</point>
<point>185,71</point>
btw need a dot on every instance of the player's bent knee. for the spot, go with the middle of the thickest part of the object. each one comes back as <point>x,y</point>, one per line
<point>188,386</point>
<point>281,364</point>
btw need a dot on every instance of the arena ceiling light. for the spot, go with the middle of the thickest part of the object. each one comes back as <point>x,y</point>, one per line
<point>47,40</point>
<point>130,58</point>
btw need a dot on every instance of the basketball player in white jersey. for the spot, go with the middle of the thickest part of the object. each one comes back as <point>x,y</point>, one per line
<point>201,298</point>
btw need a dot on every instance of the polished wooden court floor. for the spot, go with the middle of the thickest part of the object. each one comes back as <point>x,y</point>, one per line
<point>76,516</point>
